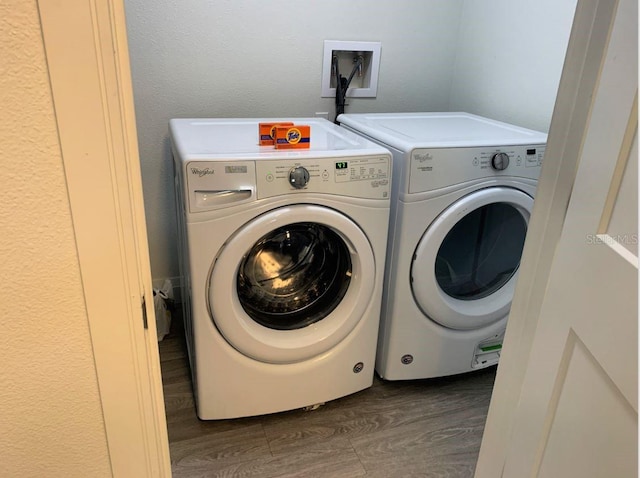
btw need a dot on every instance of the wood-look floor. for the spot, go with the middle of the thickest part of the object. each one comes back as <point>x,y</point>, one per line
<point>419,428</point>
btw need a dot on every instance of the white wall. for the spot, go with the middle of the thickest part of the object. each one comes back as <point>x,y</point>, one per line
<point>244,58</point>
<point>248,58</point>
<point>509,59</point>
<point>51,420</point>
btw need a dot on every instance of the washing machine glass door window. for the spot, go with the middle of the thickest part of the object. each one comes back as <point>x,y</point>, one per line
<point>465,265</point>
<point>481,252</point>
<point>294,276</point>
<point>291,283</point>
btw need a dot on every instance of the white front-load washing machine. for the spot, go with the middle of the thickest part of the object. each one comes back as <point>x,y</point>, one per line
<point>462,196</point>
<point>282,257</point>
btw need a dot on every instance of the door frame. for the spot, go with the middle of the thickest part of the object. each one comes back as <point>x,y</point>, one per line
<point>576,92</point>
<point>87,55</point>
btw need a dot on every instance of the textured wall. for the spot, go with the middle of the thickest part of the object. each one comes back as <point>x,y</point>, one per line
<point>248,58</point>
<point>509,59</point>
<point>50,414</point>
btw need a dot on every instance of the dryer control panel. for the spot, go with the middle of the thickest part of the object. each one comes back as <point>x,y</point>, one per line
<point>432,169</point>
<point>367,177</point>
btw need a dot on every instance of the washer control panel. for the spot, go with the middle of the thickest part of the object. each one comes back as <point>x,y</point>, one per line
<point>220,184</point>
<point>432,169</point>
<point>365,177</point>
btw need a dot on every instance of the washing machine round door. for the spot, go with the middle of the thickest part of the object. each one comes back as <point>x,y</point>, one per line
<point>465,266</point>
<point>291,283</point>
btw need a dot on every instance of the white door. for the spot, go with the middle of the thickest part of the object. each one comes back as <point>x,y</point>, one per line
<point>576,412</point>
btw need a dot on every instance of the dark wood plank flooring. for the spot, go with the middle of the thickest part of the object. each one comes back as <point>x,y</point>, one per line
<point>418,428</point>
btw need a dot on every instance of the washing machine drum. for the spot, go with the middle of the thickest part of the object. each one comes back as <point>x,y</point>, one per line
<point>465,266</point>
<point>292,283</point>
<point>294,276</point>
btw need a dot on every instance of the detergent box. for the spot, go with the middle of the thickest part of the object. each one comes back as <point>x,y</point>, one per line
<point>292,137</point>
<point>266,132</point>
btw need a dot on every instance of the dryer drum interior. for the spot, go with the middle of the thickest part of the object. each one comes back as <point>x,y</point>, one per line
<point>481,252</point>
<point>294,276</point>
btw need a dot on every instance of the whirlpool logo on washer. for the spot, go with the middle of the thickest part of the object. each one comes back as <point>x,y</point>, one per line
<point>421,157</point>
<point>201,172</point>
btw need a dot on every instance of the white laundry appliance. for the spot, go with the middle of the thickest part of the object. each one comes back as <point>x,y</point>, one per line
<point>282,255</point>
<point>462,195</point>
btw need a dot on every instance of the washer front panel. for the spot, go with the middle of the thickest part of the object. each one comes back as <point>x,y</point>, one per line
<point>286,346</point>
<point>465,307</point>
<point>432,169</point>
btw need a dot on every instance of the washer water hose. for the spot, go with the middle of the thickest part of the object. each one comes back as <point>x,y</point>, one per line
<point>342,83</point>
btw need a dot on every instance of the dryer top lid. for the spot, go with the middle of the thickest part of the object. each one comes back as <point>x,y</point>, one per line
<point>406,131</point>
<point>237,138</point>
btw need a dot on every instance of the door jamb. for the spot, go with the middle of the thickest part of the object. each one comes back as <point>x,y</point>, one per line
<point>87,56</point>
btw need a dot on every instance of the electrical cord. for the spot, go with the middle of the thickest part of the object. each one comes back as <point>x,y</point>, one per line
<point>342,84</point>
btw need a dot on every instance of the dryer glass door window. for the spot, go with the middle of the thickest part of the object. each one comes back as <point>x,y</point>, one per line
<point>465,266</point>
<point>481,252</point>
<point>294,276</point>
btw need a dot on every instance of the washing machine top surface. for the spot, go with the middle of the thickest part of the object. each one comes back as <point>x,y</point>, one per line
<point>237,138</point>
<point>406,131</point>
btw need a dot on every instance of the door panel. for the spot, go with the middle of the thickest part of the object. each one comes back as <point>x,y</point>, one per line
<point>604,450</point>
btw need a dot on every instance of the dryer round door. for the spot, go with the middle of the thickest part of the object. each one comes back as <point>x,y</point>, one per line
<point>464,269</point>
<point>291,283</point>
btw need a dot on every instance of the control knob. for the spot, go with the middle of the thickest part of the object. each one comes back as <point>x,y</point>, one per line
<point>500,161</point>
<point>298,177</point>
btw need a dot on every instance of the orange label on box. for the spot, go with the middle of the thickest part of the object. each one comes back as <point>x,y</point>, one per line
<point>292,137</point>
<point>266,132</point>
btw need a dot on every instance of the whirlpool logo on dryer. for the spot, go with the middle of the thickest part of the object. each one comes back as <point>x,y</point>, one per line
<point>201,172</point>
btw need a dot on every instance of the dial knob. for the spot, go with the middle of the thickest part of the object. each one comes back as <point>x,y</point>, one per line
<point>298,177</point>
<point>500,161</point>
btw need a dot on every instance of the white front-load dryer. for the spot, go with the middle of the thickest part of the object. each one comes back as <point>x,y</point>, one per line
<point>282,257</point>
<point>463,192</point>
